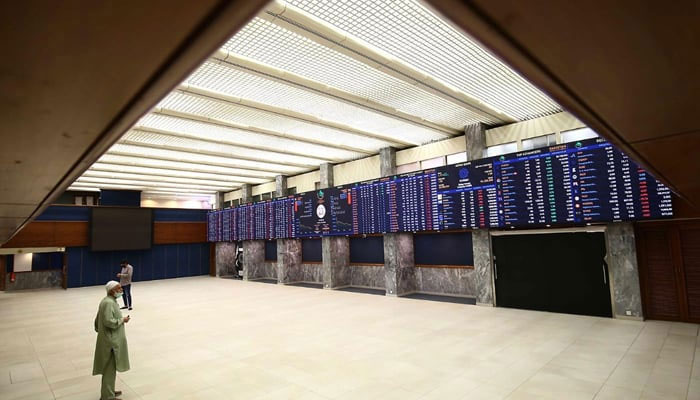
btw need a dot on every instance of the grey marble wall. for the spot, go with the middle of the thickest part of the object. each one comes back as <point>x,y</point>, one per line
<point>475,136</point>
<point>336,261</point>
<point>225,258</point>
<point>370,276</point>
<point>483,269</point>
<point>253,259</point>
<point>289,268</point>
<point>623,270</point>
<point>269,270</point>
<point>399,264</point>
<point>34,280</point>
<point>448,281</point>
<point>387,161</point>
<point>312,273</point>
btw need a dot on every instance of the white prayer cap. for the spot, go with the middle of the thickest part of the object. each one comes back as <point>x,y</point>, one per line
<point>110,285</point>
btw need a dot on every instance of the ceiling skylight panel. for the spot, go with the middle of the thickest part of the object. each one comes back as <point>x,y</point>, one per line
<point>292,52</point>
<point>151,178</point>
<point>145,189</point>
<point>155,184</point>
<point>106,167</point>
<point>303,100</point>
<point>146,152</point>
<point>409,31</point>
<point>177,143</point>
<point>184,166</point>
<point>296,128</point>
<point>227,113</point>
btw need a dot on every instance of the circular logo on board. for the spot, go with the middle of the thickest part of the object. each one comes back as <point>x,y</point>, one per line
<point>321,211</point>
<point>463,173</point>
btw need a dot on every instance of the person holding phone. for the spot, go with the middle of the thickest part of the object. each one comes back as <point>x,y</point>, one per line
<point>125,282</point>
<point>111,350</point>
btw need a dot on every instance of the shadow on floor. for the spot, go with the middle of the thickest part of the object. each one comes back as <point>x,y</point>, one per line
<point>264,280</point>
<point>380,292</point>
<point>307,285</point>
<point>446,299</point>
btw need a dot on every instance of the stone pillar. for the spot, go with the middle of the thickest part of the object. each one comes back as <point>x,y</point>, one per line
<point>253,250</point>
<point>280,186</point>
<point>387,161</point>
<point>220,200</point>
<point>288,250</point>
<point>326,172</point>
<point>399,263</point>
<point>246,193</point>
<point>335,249</point>
<point>623,270</point>
<point>483,269</point>
<point>225,254</point>
<point>253,258</point>
<point>475,137</point>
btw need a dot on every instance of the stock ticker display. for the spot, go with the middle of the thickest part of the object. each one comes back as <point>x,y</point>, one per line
<point>569,184</point>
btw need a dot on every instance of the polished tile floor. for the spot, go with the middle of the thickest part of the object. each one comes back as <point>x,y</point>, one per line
<point>209,338</point>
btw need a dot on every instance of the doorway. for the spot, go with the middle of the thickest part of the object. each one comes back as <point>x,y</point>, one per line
<point>556,272</point>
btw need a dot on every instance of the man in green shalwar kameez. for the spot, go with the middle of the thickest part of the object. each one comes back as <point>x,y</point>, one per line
<point>111,352</point>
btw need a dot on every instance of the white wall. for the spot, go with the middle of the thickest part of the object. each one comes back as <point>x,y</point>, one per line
<point>23,262</point>
<point>176,203</point>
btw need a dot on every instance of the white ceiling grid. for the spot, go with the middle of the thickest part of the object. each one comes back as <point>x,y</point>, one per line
<point>281,98</point>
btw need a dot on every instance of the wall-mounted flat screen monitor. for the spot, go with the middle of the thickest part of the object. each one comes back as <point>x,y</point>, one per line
<point>121,228</point>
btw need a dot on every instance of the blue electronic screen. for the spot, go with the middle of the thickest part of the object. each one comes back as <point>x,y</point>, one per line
<point>467,196</point>
<point>569,184</point>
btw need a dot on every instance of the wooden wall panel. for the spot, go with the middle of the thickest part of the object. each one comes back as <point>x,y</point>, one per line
<point>690,250</point>
<point>51,234</point>
<point>76,234</point>
<point>179,232</point>
<point>658,277</point>
<point>669,261</point>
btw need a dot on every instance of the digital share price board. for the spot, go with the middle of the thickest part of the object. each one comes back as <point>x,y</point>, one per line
<point>576,183</point>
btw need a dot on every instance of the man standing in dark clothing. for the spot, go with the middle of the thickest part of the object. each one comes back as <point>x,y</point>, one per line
<point>125,282</point>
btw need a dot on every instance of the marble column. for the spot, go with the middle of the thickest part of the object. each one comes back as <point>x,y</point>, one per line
<point>253,250</point>
<point>225,254</point>
<point>253,259</point>
<point>399,263</point>
<point>475,137</point>
<point>483,268</point>
<point>387,161</point>
<point>335,250</point>
<point>246,193</point>
<point>336,262</point>
<point>288,266</point>
<point>280,186</point>
<point>220,200</point>
<point>623,270</point>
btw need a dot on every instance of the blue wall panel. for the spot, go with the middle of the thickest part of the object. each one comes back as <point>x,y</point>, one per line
<point>444,249</point>
<point>204,259</point>
<point>171,261</point>
<point>65,213</point>
<point>158,262</point>
<point>82,213</point>
<point>146,266</point>
<point>87,268</point>
<point>179,215</point>
<point>75,266</point>
<point>128,198</point>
